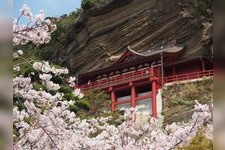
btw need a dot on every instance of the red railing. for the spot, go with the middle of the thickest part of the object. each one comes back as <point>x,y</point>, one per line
<point>125,78</point>
<point>143,74</point>
<point>188,76</point>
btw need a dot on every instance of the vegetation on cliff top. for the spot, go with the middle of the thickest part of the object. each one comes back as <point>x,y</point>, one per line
<point>203,8</point>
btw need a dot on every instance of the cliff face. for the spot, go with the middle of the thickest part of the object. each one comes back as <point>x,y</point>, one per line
<point>100,34</point>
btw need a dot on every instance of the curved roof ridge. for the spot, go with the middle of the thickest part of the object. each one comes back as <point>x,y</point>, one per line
<point>148,53</point>
<point>170,49</point>
<point>133,51</point>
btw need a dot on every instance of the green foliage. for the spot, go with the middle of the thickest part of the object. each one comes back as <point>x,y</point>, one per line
<point>73,108</point>
<point>27,119</point>
<point>57,79</point>
<point>15,131</point>
<point>52,92</point>
<point>65,89</point>
<point>69,96</point>
<point>203,8</point>
<point>199,142</point>
<point>83,104</point>
<point>39,86</point>
<point>17,101</point>
<point>48,52</point>
<point>96,104</point>
<point>98,100</point>
<point>60,39</point>
<point>83,114</point>
<point>86,4</point>
<point>26,70</point>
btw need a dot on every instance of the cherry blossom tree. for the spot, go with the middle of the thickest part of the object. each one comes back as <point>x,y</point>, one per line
<point>38,30</point>
<point>42,118</point>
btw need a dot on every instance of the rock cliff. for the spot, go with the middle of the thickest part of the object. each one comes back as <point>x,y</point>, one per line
<point>100,34</point>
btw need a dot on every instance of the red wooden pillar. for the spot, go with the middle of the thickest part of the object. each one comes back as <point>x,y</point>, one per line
<point>154,100</point>
<point>113,98</point>
<point>133,94</point>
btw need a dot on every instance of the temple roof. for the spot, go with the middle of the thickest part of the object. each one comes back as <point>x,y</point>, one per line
<point>133,57</point>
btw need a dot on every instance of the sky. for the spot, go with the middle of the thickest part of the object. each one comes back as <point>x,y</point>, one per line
<point>6,8</point>
<point>52,8</point>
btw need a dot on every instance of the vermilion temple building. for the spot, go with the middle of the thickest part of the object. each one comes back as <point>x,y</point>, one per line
<point>136,78</point>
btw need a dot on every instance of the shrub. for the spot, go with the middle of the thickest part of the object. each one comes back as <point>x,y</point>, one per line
<point>52,92</point>
<point>203,8</point>
<point>18,101</point>
<point>99,101</point>
<point>57,79</point>
<point>86,4</point>
<point>26,69</point>
<point>69,96</point>
<point>15,131</point>
<point>83,104</point>
<point>65,89</point>
<point>73,108</point>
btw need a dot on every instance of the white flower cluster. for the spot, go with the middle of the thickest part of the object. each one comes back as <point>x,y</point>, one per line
<point>45,77</point>
<point>69,132</point>
<point>52,86</point>
<point>40,17</point>
<point>25,11</point>
<point>71,81</point>
<point>17,54</point>
<point>21,85</point>
<point>45,67</point>
<point>37,30</point>
<point>16,68</point>
<point>77,92</point>
<point>44,114</point>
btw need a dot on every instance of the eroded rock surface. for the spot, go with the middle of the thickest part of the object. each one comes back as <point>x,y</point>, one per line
<point>101,34</point>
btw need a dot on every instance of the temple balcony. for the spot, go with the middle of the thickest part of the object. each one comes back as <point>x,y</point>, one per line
<point>137,76</point>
